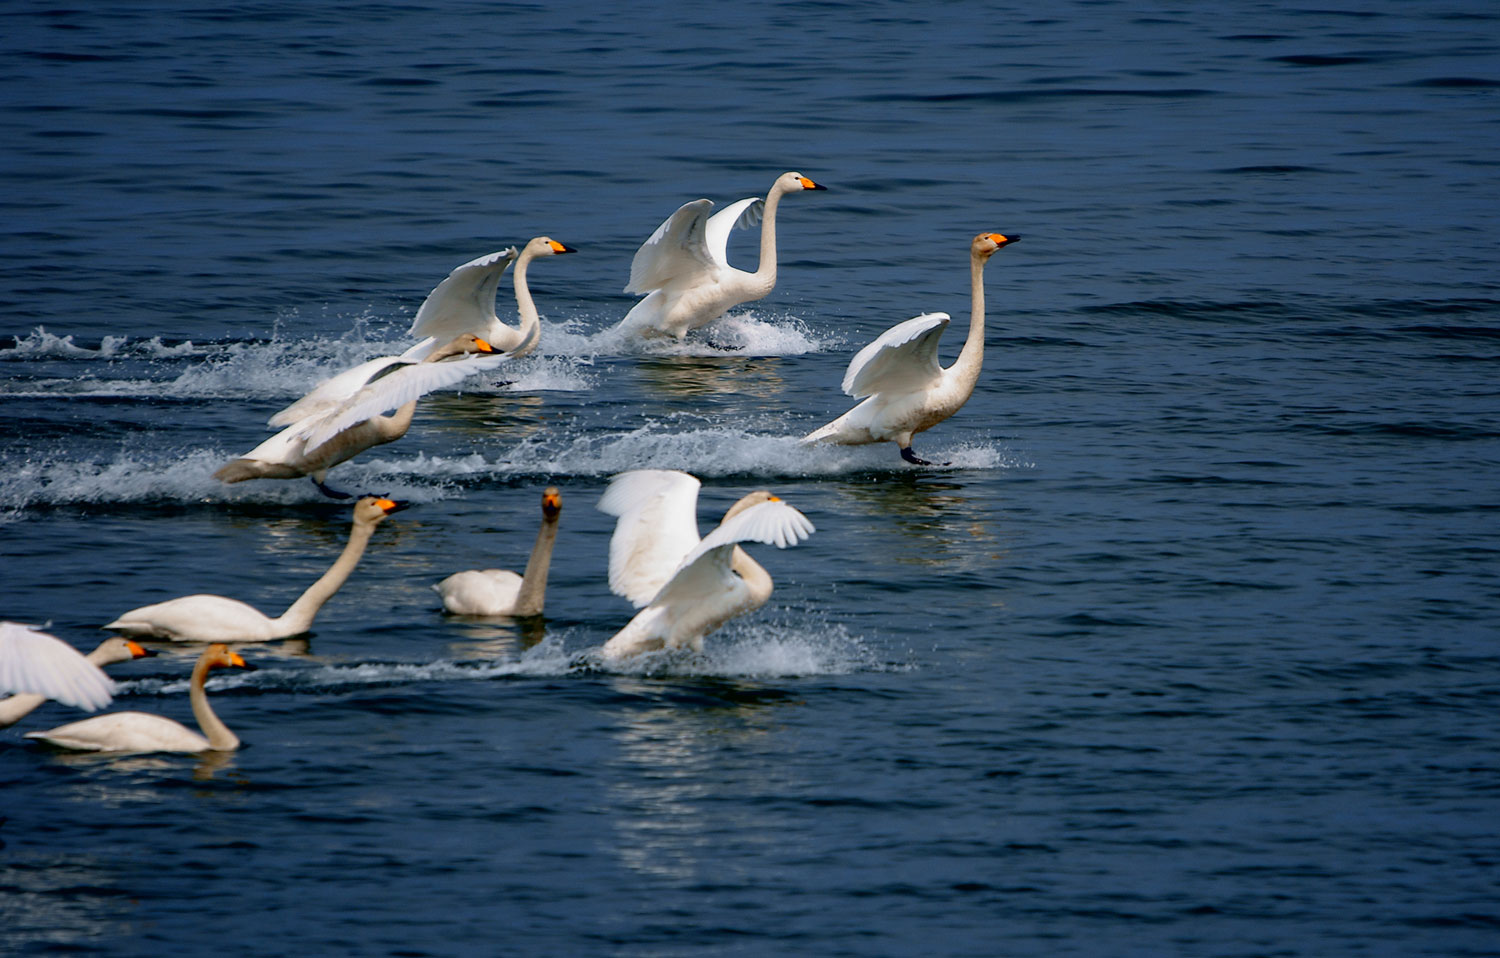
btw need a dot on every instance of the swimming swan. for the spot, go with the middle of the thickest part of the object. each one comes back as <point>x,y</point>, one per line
<point>688,587</point>
<point>683,267</point>
<point>214,618</point>
<point>144,732</point>
<point>904,389</point>
<point>341,418</point>
<point>465,302</point>
<point>37,666</point>
<point>501,591</point>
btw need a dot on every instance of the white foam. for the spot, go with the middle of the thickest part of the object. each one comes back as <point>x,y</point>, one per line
<point>758,648</point>
<point>739,334</point>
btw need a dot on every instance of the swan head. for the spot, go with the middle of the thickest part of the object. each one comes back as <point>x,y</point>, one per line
<point>551,504</point>
<point>793,182</point>
<point>122,650</point>
<point>372,509</point>
<point>753,499</point>
<point>462,345</point>
<point>220,656</point>
<point>985,244</point>
<point>546,246</point>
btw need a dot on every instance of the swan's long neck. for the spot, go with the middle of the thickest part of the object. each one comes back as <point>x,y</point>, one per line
<point>533,593</point>
<point>765,273</point>
<point>218,734</point>
<point>299,617</point>
<point>757,579</point>
<point>394,426</point>
<point>971,357</point>
<point>524,303</point>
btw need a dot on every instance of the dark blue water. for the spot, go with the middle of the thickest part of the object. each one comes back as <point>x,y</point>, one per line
<point>1192,650</point>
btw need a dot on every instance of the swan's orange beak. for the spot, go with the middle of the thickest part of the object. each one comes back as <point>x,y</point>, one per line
<point>238,661</point>
<point>483,346</point>
<point>560,248</point>
<point>139,652</point>
<point>391,505</point>
<point>551,503</point>
<point>1000,239</point>
<point>808,184</point>
<point>774,499</point>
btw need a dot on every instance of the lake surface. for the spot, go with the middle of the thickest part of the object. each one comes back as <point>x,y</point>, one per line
<point>1191,650</point>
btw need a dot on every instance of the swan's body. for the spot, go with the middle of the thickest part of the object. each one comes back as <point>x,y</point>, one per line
<point>684,271</point>
<point>688,587</point>
<point>904,389</point>
<point>501,591</point>
<point>341,417</point>
<point>215,618</point>
<point>465,302</point>
<point>37,667</point>
<point>144,732</point>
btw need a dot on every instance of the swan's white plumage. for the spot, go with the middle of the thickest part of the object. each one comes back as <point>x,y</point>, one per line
<point>657,527</point>
<point>501,591</point>
<point>902,357</point>
<point>464,302</point>
<point>32,662</point>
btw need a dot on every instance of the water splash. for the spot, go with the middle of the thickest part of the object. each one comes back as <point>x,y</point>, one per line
<point>739,334</point>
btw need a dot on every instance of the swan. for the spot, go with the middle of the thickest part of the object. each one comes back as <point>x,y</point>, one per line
<point>214,618</point>
<point>501,591</point>
<point>341,418</point>
<point>688,586</point>
<point>904,389</point>
<point>683,267</point>
<point>465,302</point>
<point>144,732</point>
<point>37,666</point>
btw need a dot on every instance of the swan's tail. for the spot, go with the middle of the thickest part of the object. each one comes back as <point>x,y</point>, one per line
<point>241,469</point>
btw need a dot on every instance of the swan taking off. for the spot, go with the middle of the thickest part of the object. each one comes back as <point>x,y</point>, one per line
<point>904,389</point>
<point>465,302</point>
<point>684,270</point>
<point>144,732</point>
<point>688,587</point>
<point>341,418</point>
<point>501,591</point>
<point>37,666</point>
<point>214,618</point>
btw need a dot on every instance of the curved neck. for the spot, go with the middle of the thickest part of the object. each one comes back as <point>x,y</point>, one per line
<point>533,590</point>
<point>524,303</point>
<point>218,734</point>
<point>394,426</point>
<point>757,579</point>
<point>298,618</point>
<point>972,355</point>
<point>765,273</point>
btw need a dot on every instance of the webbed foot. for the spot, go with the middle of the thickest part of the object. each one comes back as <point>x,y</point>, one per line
<point>916,460</point>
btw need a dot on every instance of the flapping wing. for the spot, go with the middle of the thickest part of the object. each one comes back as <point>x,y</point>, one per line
<point>677,247</point>
<point>395,387</point>
<point>465,301</point>
<point>903,357</point>
<point>332,392</point>
<point>705,570</point>
<point>657,525</point>
<point>742,214</point>
<point>31,661</point>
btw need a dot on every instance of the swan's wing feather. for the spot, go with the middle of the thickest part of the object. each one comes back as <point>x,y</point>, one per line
<point>676,248</point>
<point>657,525</point>
<point>741,214</point>
<point>705,571</point>
<point>392,388</point>
<point>464,302</point>
<point>903,357</point>
<point>31,661</point>
<point>331,392</point>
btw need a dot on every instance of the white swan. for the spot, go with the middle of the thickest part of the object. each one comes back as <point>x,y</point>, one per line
<point>465,302</point>
<point>144,732</point>
<point>501,591</point>
<point>904,389</point>
<point>341,418</point>
<point>214,618</point>
<point>689,587</point>
<point>37,666</point>
<point>684,270</point>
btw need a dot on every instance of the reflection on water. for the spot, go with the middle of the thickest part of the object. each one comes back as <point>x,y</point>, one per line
<point>712,376</point>
<point>142,771</point>
<point>486,417</point>
<point>933,520</point>
<point>496,636</point>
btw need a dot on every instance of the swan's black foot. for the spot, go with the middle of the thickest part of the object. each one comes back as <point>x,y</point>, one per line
<point>917,460</point>
<point>330,493</point>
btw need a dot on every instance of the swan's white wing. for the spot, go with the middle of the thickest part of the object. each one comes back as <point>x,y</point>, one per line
<point>677,247</point>
<point>332,392</point>
<point>705,570</point>
<point>657,526</point>
<point>396,388</point>
<point>465,301</point>
<point>31,661</point>
<point>742,214</point>
<point>903,358</point>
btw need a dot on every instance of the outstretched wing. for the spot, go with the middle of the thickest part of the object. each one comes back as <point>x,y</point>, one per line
<point>676,248</point>
<point>741,214</point>
<point>705,571</point>
<point>657,525</point>
<point>902,358</point>
<point>332,392</point>
<point>465,301</point>
<point>395,386</point>
<point>31,661</point>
